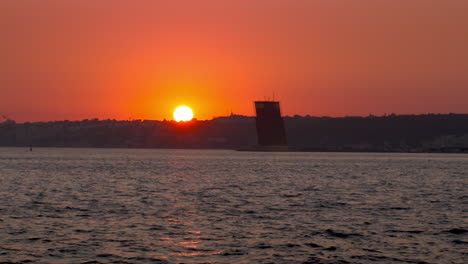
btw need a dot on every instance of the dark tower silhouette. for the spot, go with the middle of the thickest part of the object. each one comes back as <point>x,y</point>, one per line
<point>270,125</point>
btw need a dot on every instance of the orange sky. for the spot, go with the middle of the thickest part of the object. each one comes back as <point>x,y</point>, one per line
<point>139,59</point>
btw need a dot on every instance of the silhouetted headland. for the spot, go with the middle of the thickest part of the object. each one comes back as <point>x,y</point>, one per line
<point>389,133</point>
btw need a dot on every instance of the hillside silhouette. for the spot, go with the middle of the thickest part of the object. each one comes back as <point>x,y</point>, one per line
<point>390,133</point>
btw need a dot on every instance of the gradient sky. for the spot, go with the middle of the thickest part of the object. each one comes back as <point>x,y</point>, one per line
<point>139,59</point>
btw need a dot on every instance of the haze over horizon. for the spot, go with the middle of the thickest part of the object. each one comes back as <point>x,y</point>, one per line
<point>140,59</point>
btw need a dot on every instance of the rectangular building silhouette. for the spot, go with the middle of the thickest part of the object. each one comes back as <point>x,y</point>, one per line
<point>270,125</point>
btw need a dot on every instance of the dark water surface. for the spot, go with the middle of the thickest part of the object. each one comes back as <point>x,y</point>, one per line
<point>204,206</point>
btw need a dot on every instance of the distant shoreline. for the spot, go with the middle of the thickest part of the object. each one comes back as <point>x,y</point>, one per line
<point>243,150</point>
<point>431,133</point>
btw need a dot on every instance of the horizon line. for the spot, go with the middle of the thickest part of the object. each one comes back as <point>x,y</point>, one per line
<point>227,116</point>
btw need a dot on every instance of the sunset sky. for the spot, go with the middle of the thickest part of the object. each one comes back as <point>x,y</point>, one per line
<point>140,59</point>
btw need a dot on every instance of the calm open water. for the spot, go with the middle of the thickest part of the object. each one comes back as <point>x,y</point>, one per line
<point>209,206</point>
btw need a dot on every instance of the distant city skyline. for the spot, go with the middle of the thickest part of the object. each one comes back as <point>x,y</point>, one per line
<point>141,59</point>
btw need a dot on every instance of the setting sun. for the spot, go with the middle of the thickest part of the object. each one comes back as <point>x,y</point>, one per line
<point>183,113</point>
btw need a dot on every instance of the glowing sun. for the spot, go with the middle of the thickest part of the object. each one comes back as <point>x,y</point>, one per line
<point>183,113</point>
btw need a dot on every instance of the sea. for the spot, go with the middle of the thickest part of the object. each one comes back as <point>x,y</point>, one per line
<point>76,205</point>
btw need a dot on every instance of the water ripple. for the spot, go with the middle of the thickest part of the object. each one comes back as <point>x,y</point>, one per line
<point>190,206</point>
